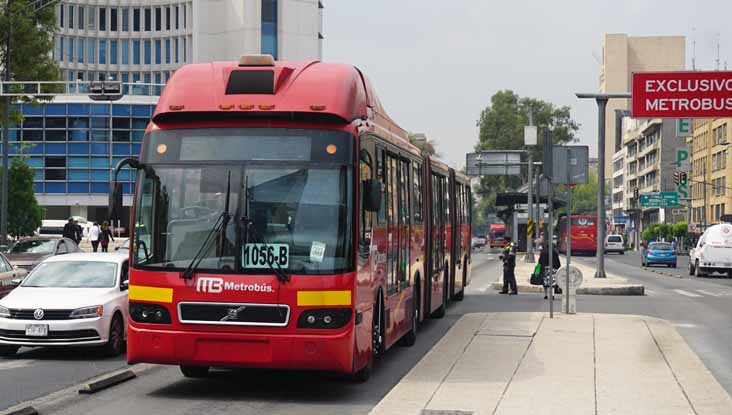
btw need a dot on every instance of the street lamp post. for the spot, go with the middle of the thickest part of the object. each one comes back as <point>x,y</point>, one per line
<point>601,100</point>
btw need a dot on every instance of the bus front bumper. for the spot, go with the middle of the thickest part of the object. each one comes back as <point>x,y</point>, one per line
<point>326,352</point>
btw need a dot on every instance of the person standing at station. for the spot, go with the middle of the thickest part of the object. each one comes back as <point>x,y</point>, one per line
<point>509,266</point>
<point>105,235</point>
<point>94,232</point>
<point>544,262</point>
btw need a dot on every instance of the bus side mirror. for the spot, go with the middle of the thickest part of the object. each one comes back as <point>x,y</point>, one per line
<point>371,195</point>
<point>115,202</point>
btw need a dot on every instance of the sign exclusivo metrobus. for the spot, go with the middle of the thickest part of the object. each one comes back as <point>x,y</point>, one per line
<point>682,94</point>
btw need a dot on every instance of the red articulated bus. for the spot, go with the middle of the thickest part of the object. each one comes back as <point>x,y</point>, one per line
<point>283,220</point>
<point>584,234</point>
<point>496,233</point>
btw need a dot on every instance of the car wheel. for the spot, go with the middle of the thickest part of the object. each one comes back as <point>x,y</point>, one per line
<point>195,372</point>
<point>8,351</point>
<point>115,341</point>
<point>622,252</point>
<point>697,270</point>
<point>673,265</point>
<point>691,268</point>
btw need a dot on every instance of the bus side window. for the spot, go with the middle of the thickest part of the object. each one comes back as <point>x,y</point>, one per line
<point>366,218</point>
<point>381,176</point>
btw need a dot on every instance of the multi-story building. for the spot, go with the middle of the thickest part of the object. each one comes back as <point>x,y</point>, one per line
<point>650,153</point>
<point>622,55</point>
<point>618,193</point>
<point>710,167</point>
<point>145,42</point>
<point>73,142</point>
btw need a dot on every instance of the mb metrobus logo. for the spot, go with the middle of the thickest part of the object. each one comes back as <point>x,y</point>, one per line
<point>216,285</point>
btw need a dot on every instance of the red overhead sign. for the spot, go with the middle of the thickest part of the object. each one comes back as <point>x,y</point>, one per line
<point>682,94</point>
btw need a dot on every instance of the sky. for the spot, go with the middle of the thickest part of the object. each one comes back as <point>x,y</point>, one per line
<point>436,64</point>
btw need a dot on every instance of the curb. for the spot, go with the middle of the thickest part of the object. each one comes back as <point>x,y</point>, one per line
<point>106,382</point>
<point>619,290</point>
<point>26,410</point>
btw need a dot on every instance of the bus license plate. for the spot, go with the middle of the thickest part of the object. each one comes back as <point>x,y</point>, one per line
<point>265,255</point>
<point>36,330</point>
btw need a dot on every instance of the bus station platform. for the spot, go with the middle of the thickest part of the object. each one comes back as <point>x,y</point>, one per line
<point>612,285</point>
<point>527,363</point>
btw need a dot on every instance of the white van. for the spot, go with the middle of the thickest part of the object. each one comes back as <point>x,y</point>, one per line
<point>713,252</point>
<point>614,243</point>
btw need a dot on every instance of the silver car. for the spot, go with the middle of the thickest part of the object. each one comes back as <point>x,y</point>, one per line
<point>27,253</point>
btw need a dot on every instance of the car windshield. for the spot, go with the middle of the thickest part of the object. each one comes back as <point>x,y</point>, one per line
<point>72,274</point>
<point>614,239</point>
<point>299,211</point>
<point>660,247</point>
<point>36,246</point>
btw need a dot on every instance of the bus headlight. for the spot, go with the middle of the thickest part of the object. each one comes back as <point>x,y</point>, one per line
<point>149,313</point>
<point>324,318</point>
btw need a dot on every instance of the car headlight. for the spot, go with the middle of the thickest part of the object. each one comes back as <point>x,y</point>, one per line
<point>4,312</point>
<point>87,312</point>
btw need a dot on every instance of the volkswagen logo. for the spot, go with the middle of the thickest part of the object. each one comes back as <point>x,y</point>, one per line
<point>38,314</point>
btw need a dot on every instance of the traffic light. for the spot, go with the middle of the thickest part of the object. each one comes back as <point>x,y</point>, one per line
<point>677,177</point>
<point>683,178</point>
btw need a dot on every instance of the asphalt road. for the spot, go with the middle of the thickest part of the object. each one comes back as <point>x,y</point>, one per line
<point>700,309</point>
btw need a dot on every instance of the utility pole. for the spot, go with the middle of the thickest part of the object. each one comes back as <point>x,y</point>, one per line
<point>531,223</point>
<point>601,100</point>
<point>6,131</point>
<point>548,169</point>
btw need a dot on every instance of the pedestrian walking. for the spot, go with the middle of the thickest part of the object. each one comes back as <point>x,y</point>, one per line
<point>93,237</point>
<point>544,262</point>
<point>79,232</point>
<point>105,235</point>
<point>509,266</point>
<point>70,230</point>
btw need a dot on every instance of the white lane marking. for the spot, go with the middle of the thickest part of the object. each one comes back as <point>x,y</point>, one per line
<point>649,292</point>
<point>14,364</point>
<point>688,294</point>
<point>710,293</point>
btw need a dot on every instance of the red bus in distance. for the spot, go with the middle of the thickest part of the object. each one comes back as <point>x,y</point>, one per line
<point>496,233</point>
<point>283,220</point>
<point>583,235</point>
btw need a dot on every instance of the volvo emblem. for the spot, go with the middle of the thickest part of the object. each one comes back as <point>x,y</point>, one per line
<point>233,314</point>
<point>38,314</point>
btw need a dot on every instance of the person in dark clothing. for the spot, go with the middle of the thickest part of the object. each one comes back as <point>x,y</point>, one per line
<point>70,230</point>
<point>544,262</point>
<point>105,235</point>
<point>79,232</point>
<point>509,265</point>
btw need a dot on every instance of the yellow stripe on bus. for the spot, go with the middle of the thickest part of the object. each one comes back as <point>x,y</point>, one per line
<point>156,294</point>
<point>323,298</point>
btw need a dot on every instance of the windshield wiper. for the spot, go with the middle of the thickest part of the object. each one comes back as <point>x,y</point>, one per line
<point>219,228</point>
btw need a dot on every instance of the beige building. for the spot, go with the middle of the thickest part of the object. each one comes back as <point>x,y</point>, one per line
<point>622,55</point>
<point>710,167</point>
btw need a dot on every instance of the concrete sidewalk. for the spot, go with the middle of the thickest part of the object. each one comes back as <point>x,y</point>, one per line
<point>612,285</point>
<point>526,363</point>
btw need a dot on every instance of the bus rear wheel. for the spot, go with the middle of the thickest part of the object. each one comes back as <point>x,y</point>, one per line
<point>194,372</point>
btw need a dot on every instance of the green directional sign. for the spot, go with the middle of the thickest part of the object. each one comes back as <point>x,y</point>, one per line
<point>660,199</point>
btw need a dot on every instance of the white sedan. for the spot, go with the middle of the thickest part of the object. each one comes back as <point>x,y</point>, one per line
<point>68,300</point>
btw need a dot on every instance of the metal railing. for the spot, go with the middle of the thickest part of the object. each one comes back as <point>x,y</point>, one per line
<point>56,88</point>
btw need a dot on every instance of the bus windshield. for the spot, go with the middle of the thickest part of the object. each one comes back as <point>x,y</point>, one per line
<point>299,212</point>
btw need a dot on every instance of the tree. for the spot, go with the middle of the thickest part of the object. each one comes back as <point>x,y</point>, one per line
<point>425,145</point>
<point>24,213</point>
<point>502,128</point>
<point>33,25</point>
<point>584,197</point>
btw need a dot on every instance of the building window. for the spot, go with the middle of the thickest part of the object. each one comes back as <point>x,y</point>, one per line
<point>102,20</point>
<point>61,15</point>
<point>80,50</point>
<point>113,19</point>
<point>185,51</point>
<point>113,52</point>
<point>148,19</point>
<point>167,50</point>
<point>158,51</point>
<point>125,52</point>
<point>167,18</point>
<point>176,50</point>
<point>177,26</point>
<point>158,19</point>
<point>136,20</point>
<point>185,19</point>
<point>91,24</point>
<point>125,20</point>
<point>71,16</point>
<point>102,51</point>
<point>269,27</point>
<point>136,52</point>
<point>81,17</point>
<point>61,55</point>
<point>71,49</point>
<point>148,52</point>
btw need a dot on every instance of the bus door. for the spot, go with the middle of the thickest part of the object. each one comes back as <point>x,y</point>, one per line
<point>437,239</point>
